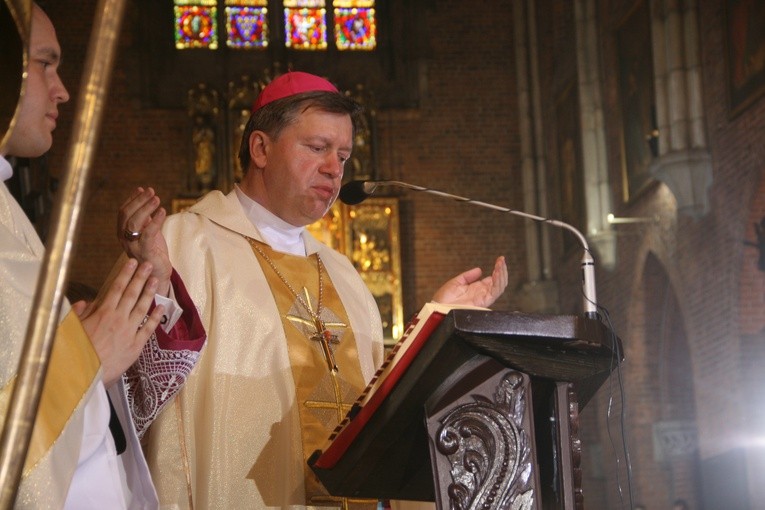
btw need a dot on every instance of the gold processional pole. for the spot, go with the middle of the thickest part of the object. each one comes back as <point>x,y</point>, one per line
<point>66,215</point>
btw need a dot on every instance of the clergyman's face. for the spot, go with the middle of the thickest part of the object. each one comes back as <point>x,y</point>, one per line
<point>304,167</point>
<point>33,133</point>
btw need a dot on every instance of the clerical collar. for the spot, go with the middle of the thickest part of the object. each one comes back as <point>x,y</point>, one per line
<point>279,234</point>
<point>6,170</point>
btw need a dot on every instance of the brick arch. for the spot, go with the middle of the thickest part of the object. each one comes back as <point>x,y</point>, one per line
<point>668,347</point>
<point>667,343</point>
<point>661,399</point>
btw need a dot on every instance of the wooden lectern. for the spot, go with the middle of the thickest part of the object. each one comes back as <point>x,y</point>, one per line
<point>486,415</point>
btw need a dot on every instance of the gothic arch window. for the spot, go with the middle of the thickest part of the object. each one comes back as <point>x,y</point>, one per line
<point>308,25</point>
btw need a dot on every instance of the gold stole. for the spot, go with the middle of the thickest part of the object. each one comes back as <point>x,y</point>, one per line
<point>324,396</point>
<point>72,367</point>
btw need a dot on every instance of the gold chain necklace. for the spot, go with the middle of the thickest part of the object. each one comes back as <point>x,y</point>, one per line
<point>322,335</point>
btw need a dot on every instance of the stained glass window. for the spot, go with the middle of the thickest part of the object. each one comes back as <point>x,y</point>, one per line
<point>196,24</point>
<point>352,23</point>
<point>305,24</point>
<point>247,23</point>
<point>355,26</point>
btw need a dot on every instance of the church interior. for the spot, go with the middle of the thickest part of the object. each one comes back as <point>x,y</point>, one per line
<point>641,123</point>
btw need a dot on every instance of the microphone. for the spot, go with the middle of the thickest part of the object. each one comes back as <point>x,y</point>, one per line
<point>355,192</point>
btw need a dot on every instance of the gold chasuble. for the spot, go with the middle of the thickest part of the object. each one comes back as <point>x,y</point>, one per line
<point>322,352</point>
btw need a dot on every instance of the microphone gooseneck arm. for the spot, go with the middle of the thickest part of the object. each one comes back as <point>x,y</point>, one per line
<point>355,192</point>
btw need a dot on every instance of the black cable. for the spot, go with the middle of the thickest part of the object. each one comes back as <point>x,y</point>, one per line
<point>616,366</point>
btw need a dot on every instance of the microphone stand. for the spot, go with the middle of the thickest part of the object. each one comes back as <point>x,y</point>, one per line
<point>356,191</point>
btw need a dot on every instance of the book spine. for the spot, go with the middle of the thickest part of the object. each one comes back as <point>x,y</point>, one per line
<point>346,432</point>
<point>356,407</point>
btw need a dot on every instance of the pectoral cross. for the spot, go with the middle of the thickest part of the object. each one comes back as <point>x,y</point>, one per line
<point>325,337</point>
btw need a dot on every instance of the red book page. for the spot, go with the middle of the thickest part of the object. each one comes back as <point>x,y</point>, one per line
<point>386,378</point>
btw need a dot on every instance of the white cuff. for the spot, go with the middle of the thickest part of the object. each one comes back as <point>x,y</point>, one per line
<point>173,310</point>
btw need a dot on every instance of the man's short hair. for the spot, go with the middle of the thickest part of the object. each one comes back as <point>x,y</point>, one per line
<point>276,115</point>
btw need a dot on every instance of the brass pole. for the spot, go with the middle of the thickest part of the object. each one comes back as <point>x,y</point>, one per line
<point>50,288</point>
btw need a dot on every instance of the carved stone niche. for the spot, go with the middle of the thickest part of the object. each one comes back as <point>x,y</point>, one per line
<point>203,105</point>
<point>688,174</point>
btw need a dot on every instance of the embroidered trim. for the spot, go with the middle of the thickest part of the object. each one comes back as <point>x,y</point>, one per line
<point>153,380</point>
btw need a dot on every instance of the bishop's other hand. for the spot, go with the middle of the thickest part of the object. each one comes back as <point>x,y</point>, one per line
<point>469,288</point>
<point>139,229</point>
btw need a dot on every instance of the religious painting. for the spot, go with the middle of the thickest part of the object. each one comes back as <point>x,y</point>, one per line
<point>638,104</point>
<point>569,156</point>
<point>368,234</point>
<point>373,244</point>
<point>330,229</point>
<point>745,23</point>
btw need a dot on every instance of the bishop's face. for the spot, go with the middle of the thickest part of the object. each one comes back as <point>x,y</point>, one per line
<point>33,133</point>
<point>303,166</point>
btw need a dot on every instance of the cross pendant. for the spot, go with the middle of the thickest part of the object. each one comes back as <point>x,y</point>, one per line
<point>325,337</point>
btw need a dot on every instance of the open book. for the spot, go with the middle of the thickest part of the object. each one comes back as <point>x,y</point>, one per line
<point>395,365</point>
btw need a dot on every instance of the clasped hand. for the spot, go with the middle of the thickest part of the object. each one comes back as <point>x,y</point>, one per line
<point>139,230</point>
<point>117,322</point>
